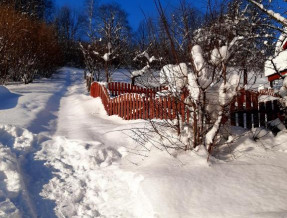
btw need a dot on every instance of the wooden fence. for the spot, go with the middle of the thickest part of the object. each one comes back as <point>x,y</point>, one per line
<point>132,106</point>
<point>247,111</point>
<point>131,102</point>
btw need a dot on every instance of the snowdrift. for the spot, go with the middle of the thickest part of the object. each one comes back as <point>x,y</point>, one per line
<point>8,100</point>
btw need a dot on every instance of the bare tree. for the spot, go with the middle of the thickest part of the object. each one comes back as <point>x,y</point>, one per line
<point>109,33</point>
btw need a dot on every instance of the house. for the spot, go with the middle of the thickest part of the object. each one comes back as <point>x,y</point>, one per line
<point>276,67</point>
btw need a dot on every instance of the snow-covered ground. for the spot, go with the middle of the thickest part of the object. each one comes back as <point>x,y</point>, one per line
<point>62,156</point>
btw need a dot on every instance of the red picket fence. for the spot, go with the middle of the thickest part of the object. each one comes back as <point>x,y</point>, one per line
<point>117,88</point>
<point>132,106</point>
<point>247,111</point>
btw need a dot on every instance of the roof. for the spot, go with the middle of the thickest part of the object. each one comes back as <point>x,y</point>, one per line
<point>276,65</point>
<point>280,62</point>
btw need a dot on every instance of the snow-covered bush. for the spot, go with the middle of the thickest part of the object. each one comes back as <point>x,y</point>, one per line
<point>220,53</point>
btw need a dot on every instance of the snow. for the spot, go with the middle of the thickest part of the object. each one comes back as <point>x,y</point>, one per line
<point>229,90</point>
<point>62,156</point>
<point>175,76</point>
<point>271,13</point>
<point>8,99</point>
<point>106,57</point>
<point>279,61</point>
<point>193,87</point>
<point>14,143</point>
<point>199,62</point>
<point>146,55</point>
<point>219,55</point>
<point>265,98</point>
<point>278,124</point>
<point>281,42</point>
<point>136,73</point>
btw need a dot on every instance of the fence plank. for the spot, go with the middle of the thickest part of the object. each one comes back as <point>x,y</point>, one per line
<point>124,107</point>
<point>262,114</point>
<point>136,107</point>
<point>269,111</point>
<point>140,108</point>
<point>160,108</point>
<point>240,108</point>
<point>248,100</point>
<point>156,108</point>
<point>144,108</point>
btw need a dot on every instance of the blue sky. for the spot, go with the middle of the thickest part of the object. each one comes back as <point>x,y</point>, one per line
<point>134,8</point>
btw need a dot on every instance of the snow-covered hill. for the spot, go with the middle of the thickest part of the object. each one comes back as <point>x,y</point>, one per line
<point>62,156</point>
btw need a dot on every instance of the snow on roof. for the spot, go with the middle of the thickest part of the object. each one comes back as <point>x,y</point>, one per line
<point>280,62</point>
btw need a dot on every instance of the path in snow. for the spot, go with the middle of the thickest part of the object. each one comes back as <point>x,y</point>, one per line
<point>76,154</point>
<point>84,151</point>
